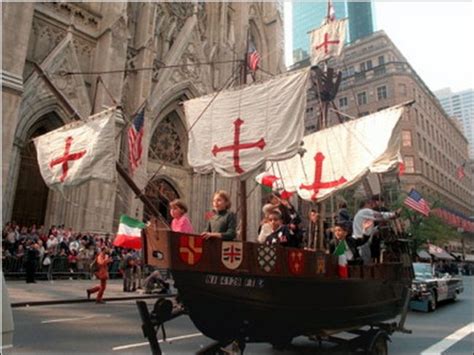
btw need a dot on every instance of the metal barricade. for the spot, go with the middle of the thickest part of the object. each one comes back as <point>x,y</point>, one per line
<point>13,266</point>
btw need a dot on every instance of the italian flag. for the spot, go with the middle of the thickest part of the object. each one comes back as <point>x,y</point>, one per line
<point>343,252</point>
<point>266,180</point>
<point>129,234</point>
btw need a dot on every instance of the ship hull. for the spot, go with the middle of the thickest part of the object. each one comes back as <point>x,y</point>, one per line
<point>284,307</point>
<point>266,294</point>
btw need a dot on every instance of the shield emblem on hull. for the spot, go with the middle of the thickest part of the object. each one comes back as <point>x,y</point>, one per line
<point>232,254</point>
<point>320,265</point>
<point>266,257</point>
<point>296,262</point>
<point>190,249</point>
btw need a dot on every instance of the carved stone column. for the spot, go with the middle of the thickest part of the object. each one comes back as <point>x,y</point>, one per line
<point>17,21</point>
<point>99,198</point>
<point>139,87</point>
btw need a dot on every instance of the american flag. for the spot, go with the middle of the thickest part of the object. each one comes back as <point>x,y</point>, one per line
<point>460,173</point>
<point>135,135</point>
<point>417,203</point>
<point>253,58</point>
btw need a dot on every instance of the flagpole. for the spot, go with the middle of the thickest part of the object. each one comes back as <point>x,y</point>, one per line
<point>243,183</point>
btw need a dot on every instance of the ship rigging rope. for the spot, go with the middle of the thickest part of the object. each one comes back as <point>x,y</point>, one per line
<point>325,120</point>
<point>228,83</point>
<point>164,66</point>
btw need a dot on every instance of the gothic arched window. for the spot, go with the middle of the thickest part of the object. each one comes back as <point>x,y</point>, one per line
<point>167,143</point>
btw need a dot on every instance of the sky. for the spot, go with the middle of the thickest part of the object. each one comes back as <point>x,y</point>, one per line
<point>436,38</point>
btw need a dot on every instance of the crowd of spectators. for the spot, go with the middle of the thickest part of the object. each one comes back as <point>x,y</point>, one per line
<point>76,249</point>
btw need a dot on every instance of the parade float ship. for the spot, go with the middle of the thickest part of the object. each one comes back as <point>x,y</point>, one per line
<point>247,292</point>
<point>243,291</point>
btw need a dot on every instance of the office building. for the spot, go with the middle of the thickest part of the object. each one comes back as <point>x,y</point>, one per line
<point>307,16</point>
<point>460,105</point>
<point>361,23</point>
<point>376,76</point>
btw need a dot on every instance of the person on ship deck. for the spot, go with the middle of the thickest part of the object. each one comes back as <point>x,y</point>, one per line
<point>223,223</point>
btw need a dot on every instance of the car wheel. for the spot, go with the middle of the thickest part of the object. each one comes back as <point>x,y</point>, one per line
<point>455,296</point>
<point>432,303</point>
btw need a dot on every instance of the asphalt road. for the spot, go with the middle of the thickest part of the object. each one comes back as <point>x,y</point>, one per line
<point>114,328</point>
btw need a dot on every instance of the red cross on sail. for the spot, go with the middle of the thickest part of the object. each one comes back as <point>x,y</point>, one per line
<point>342,155</point>
<point>238,146</point>
<point>326,44</point>
<point>235,131</point>
<point>318,184</point>
<point>79,151</point>
<point>327,41</point>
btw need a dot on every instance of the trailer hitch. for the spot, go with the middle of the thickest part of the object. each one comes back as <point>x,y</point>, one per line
<point>151,322</point>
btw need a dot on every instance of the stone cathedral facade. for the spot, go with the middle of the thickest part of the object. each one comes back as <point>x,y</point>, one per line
<point>99,55</point>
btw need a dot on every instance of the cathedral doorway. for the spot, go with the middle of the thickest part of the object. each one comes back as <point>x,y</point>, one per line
<point>31,195</point>
<point>160,192</point>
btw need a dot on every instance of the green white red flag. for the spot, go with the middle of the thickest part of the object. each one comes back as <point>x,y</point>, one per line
<point>129,234</point>
<point>343,252</point>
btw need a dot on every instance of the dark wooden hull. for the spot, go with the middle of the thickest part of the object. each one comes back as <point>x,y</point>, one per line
<point>266,306</point>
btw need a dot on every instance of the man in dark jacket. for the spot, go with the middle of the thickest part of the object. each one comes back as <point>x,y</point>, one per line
<point>31,261</point>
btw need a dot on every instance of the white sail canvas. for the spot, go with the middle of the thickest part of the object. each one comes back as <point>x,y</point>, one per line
<point>238,130</point>
<point>341,155</point>
<point>327,41</point>
<point>78,152</point>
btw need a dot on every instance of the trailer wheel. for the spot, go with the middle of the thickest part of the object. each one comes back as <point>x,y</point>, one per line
<point>281,344</point>
<point>378,345</point>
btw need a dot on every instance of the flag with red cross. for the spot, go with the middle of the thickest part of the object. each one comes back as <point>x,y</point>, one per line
<point>79,151</point>
<point>235,131</point>
<point>327,41</point>
<point>341,155</point>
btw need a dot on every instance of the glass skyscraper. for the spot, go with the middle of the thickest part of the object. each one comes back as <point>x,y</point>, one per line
<point>361,22</point>
<point>460,105</point>
<point>307,16</point>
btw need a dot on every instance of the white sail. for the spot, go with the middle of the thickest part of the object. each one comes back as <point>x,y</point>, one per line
<point>327,41</point>
<point>79,151</point>
<point>238,130</point>
<point>339,156</point>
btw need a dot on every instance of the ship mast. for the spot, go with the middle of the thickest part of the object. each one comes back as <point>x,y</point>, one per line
<point>243,183</point>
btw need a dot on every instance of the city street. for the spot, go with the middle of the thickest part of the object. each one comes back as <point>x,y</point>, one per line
<point>251,170</point>
<point>114,328</point>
